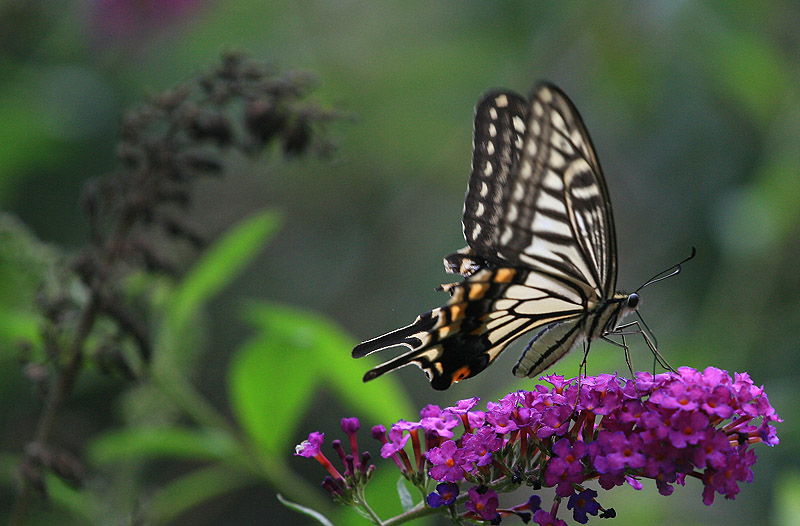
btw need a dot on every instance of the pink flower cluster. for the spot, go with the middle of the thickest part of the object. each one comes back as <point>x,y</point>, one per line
<point>665,427</point>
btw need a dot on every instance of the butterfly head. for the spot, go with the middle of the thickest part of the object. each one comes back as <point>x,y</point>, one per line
<point>632,303</point>
<point>626,304</point>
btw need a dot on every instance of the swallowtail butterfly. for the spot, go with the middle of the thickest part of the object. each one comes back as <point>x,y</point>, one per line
<point>541,252</point>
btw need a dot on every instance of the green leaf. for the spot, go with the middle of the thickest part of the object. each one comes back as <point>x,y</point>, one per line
<point>139,444</point>
<point>193,489</point>
<point>26,264</point>
<point>299,351</point>
<point>270,377</point>
<point>18,326</point>
<point>406,500</point>
<point>220,265</point>
<point>384,401</point>
<point>308,512</point>
<point>80,502</point>
<point>787,498</point>
<point>180,335</point>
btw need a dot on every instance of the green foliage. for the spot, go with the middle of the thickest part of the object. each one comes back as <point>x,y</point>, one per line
<point>296,353</point>
<point>193,489</point>
<point>217,268</point>
<point>25,265</point>
<point>273,377</point>
<point>266,392</point>
<point>84,506</point>
<point>692,107</point>
<point>223,262</point>
<point>787,500</point>
<point>406,500</point>
<point>167,442</point>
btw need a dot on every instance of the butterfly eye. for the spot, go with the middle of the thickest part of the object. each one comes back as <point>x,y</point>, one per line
<point>633,301</point>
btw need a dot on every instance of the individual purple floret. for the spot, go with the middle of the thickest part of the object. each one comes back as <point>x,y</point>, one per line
<point>483,503</point>
<point>357,468</point>
<point>583,504</point>
<point>445,495</point>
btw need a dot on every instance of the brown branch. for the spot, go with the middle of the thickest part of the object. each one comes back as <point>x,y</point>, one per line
<point>56,397</point>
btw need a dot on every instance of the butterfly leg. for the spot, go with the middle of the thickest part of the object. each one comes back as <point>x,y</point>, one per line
<point>584,366</point>
<point>627,350</point>
<point>635,327</point>
<point>623,345</point>
<point>581,373</point>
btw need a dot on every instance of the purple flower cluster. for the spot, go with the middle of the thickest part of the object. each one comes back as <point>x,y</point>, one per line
<point>344,487</point>
<point>665,427</point>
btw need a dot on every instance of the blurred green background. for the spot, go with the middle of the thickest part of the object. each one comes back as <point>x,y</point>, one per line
<point>694,109</point>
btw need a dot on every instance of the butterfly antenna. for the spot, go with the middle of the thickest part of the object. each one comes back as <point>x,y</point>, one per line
<point>668,273</point>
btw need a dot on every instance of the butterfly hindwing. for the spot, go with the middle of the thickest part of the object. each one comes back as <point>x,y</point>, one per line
<point>486,312</point>
<point>551,343</point>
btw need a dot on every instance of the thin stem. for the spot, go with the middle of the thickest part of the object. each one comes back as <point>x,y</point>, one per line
<point>56,396</point>
<point>367,508</point>
<point>185,396</point>
<point>421,510</point>
<point>280,475</point>
<point>67,373</point>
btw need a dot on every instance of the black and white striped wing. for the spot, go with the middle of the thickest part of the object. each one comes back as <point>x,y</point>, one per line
<point>552,210</point>
<point>499,133</point>
<point>541,250</point>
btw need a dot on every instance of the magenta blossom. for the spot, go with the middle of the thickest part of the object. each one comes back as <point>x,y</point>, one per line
<point>483,503</point>
<point>607,431</point>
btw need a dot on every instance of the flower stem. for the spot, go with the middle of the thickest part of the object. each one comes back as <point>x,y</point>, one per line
<point>421,510</point>
<point>362,503</point>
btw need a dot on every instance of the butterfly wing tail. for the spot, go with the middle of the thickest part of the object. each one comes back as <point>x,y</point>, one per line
<point>426,350</point>
<point>411,336</point>
<point>441,372</point>
<point>408,358</point>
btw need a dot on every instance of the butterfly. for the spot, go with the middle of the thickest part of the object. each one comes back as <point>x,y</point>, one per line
<point>541,252</point>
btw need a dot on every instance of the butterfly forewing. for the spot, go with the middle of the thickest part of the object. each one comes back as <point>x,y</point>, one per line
<point>541,252</point>
<point>557,216</point>
<point>500,122</point>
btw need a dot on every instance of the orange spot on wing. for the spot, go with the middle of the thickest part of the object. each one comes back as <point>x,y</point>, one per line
<point>478,330</point>
<point>504,275</point>
<point>446,331</point>
<point>461,374</point>
<point>478,290</point>
<point>457,311</point>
